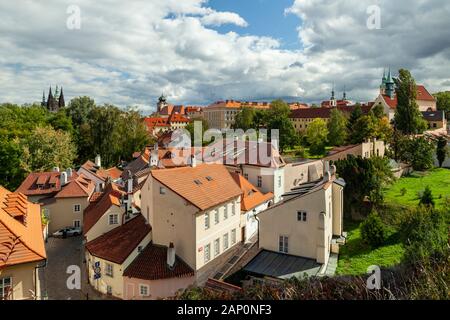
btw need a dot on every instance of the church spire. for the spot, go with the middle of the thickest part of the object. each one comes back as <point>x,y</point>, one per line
<point>61,102</point>
<point>344,95</point>
<point>43,103</point>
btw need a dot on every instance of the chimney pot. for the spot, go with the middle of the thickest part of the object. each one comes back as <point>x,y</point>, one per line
<point>171,256</point>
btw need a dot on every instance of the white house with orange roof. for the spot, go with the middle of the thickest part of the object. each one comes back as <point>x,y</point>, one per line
<point>95,172</point>
<point>22,250</point>
<point>197,209</point>
<point>63,196</point>
<point>298,235</point>
<point>253,202</point>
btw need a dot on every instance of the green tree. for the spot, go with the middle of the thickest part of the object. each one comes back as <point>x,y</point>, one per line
<point>46,148</point>
<point>60,121</point>
<point>79,110</point>
<point>354,116</point>
<point>373,231</point>
<point>378,111</point>
<point>441,150</point>
<point>364,128</point>
<point>106,139</point>
<point>190,129</point>
<point>365,179</point>
<point>133,134</point>
<point>427,197</point>
<point>11,172</point>
<point>443,102</point>
<point>337,128</point>
<point>418,152</point>
<point>317,133</point>
<point>278,118</point>
<point>245,119</point>
<point>408,119</point>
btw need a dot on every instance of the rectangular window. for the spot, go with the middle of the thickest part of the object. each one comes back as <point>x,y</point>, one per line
<point>77,223</point>
<point>301,215</point>
<point>216,247</point>
<point>206,221</point>
<point>5,288</point>
<point>143,290</point>
<point>76,208</point>
<point>233,236</point>
<point>225,212</point>
<point>207,253</point>
<point>259,181</point>
<point>225,241</point>
<point>162,190</point>
<point>113,219</point>
<point>109,290</point>
<point>246,176</point>
<point>216,216</point>
<point>279,181</point>
<point>109,270</point>
<point>283,244</point>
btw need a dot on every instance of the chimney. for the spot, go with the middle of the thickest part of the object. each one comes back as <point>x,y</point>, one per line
<point>63,178</point>
<point>171,256</point>
<point>98,161</point>
<point>326,167</point>
<point>69,172</point>
<point>130,183</point>
<point>193,161</point>
<point>55,169</point>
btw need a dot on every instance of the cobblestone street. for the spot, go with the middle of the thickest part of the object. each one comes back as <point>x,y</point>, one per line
<point>62,253</point>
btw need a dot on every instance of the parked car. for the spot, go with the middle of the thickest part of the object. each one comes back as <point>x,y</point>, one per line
<point>67,232</point>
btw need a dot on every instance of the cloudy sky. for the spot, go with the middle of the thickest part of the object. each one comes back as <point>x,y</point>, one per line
<point>199,51</point>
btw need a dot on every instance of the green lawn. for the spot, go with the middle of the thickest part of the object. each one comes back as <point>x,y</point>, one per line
<point>438,180</point>
<point>355,256</point>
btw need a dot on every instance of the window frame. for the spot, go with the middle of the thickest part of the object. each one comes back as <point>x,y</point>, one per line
<point>115,217</point>
<point>226,241</point>
<point>109,270</point>
<point>283,244</point>
<point>207,221</point>
<point>207,253</point>
<point>217,247</point>
<point>259,181</point>
<point>75,208</point>
<point>162,190</point>
<point>147,288</point>
<point>233,237</point>
<point>3,286</point>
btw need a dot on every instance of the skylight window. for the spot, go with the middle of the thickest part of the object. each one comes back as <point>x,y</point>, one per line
<point>209,178</point>
<point>197,182</point>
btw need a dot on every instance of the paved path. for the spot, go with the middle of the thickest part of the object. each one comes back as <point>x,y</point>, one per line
<point>62,253</point>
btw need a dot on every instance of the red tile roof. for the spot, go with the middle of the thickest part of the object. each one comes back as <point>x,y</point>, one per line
<point>324,113</point>
<point>193,185</point>
<point>110,197</point>
<point>151,123</point>
<point>151,264</point>
<point>251,196</point>
<point>422,94</point>
<point>21,238</point>
<point>176,117</point>
<point>49,184</point>
<point>117,244</point>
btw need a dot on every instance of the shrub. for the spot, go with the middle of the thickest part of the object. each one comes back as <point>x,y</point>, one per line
<point>403,191</point>
<point>427,198</point>
<point>425,233</point>
<point>373,231</point>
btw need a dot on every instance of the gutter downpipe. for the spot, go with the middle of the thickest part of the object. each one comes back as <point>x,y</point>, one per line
<point>36,278</point>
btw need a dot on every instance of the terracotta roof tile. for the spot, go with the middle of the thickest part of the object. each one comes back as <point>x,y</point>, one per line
<point>251,196</point>
<point>151,264</point>
<point>117,244</point>
<point>193,185</point>
<point>21,238</point>
<point>110,197</point>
